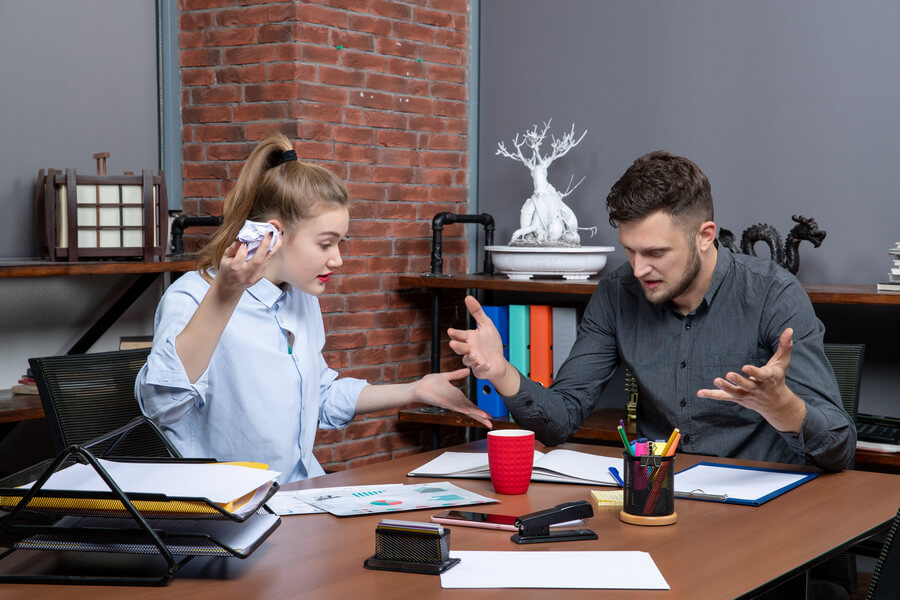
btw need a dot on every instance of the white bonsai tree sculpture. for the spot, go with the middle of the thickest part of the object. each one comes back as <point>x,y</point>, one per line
<point>545,220</point>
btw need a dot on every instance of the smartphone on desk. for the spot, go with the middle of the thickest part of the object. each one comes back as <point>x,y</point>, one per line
<point>466,518</point>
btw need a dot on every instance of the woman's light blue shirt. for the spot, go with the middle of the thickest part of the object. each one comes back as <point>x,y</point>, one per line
<point>257,400</point>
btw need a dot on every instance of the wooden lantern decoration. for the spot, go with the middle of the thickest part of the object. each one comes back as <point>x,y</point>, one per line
<point>98,216</point>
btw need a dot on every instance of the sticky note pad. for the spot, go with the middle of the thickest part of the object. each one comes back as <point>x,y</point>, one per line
<point>607,499</point>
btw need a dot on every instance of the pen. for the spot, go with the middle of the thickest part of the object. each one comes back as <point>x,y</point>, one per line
<point>702,496</point>
<point>615,475</point>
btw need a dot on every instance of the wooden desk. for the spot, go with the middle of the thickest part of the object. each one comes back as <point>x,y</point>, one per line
<point>148,273</point>
<point>600,426</point>
<point>715,550</point>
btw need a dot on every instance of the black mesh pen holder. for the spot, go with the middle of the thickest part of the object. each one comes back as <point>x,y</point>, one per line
<point>649,494</point>
<point>411,552</point>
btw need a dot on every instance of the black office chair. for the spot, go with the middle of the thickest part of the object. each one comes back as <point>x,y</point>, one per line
<point>846,362</point>
<point>88,395</point>
<point>885,583</point>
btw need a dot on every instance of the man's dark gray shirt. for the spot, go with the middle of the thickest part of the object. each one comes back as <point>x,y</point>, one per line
<point>749,303</point>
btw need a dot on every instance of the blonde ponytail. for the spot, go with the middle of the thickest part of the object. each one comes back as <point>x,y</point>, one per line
<point>269,188</point>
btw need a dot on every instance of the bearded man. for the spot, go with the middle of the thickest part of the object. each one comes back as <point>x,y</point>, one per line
<point>725,347</point>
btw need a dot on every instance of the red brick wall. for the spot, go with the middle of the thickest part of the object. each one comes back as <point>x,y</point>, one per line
<point>374,90</point>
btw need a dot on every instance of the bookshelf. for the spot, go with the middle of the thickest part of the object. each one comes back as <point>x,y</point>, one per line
<point>819,293</point>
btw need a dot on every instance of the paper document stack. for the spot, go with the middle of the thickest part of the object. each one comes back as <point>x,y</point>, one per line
<point>210,509</point>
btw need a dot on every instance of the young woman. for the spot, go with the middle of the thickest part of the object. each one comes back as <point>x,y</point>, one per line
<point>236,371</point>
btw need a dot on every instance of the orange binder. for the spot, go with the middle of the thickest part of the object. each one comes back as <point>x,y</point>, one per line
<point>541,344</point>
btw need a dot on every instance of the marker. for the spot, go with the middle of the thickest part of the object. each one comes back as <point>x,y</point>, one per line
<point>641,447</point>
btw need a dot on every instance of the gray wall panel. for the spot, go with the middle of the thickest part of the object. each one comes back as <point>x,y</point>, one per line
<point>77,78</point>
<point>788,107</point>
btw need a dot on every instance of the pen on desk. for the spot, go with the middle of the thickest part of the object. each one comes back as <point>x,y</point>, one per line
<point>615,475</point>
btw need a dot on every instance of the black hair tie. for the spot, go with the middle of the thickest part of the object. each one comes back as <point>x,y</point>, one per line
<point>288,156</point>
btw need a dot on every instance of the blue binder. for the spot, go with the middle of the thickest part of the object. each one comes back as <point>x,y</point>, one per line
<point>488,399</point>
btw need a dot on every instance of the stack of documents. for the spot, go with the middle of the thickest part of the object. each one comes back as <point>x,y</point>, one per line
<point>196,508</point>
<point>237,488</point>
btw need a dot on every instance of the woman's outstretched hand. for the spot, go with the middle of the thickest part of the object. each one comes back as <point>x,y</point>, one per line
<point>435,389</point>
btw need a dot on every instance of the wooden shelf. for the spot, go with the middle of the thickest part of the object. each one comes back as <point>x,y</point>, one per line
<point>47,268</point>
<point>148,272</point>
<point>819,293</point>
<point>19,407</point>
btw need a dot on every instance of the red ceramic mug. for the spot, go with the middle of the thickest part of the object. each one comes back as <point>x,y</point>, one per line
<point>510,458</point>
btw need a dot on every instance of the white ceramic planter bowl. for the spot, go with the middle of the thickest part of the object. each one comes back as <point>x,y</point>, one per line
<point>520,262</point>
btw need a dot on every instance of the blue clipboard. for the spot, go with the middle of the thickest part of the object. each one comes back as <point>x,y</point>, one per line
<point>736,484</point>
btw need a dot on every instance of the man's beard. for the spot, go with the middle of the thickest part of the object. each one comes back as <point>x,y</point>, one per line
<point>691,269</point>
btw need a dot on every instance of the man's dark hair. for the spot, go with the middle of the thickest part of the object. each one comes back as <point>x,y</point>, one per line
<point>661,181</point>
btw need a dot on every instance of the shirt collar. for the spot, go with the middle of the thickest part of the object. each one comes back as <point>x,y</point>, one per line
<point>724,265</point>
<point>266,292</point>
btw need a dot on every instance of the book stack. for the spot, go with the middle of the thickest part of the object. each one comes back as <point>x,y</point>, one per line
<point>893,282</point>
<point>25,385</point>
<point>536,340</point>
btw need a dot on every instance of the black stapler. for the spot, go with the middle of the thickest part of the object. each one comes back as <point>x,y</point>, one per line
<point>534,528</point>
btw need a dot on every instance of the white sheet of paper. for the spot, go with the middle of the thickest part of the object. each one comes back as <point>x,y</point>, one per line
<point>294,502</point>
<point>627,570</point>
<point>747,484</point>
<point>417,496</point>
<point>217,482</point>
<point>286,503</point>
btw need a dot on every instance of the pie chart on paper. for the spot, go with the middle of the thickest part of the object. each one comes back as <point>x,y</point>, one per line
<point>386,502</point>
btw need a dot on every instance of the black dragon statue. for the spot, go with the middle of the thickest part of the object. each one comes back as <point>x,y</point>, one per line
<point>788,255</point>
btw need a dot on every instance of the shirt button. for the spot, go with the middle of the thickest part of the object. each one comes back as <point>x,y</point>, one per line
<point>683,403</point>
<point>687,325</point>
<point>687,439</point>
<point>683,364</point>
